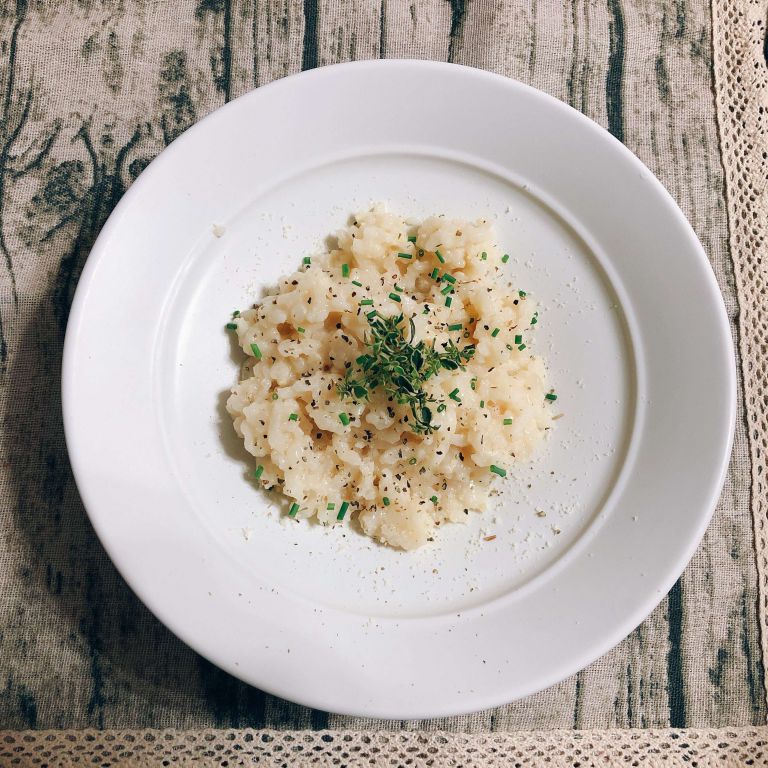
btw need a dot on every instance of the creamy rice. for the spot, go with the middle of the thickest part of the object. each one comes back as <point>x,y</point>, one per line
<point>321,450</point>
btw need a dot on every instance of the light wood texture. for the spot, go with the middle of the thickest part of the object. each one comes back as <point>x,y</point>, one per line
<point>89,93</point>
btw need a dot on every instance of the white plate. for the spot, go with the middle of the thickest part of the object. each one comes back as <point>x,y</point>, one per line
<point>632,324</point>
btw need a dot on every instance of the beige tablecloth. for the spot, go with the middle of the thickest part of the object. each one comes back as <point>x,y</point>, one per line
<point>90,92</point>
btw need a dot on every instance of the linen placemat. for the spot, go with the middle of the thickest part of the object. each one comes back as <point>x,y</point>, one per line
<point>89,94</point>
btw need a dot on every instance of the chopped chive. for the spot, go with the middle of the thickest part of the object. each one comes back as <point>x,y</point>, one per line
<point>448,301</point>
<point>441,407</point>
<point>307,260</point>
<point>331,506</point>
<point>385,500</point>
<point>433,499</point>
<point>439,256</point>
<point>455,395</point>
<point>522,294</point>
<point>498,470</point>
<point>394,297</point>
<point>473,383</point>
<point>534,320</point>
<point>399,289</point>
<point>301,330</point>
<point>342,510</point>
<point>449,278</point>
<point>293,417</point>
<point>482,403</point>
<point>345,270</point>
<point>412,238</point>
<point>366,302</point>
<point>255,351</point>
<point>274,395</point>
<point>231,326</point>
<point>236,313</point>
<point>404,255</point>
<point>507,422</point>
<point>293,510</point>
<point>521,347</point>
<point>259,472</point>
<point>509,347</point>
<point>505,258</point>
<point>371,315</point>
<point>357,283</point>
<point>518,339</point>
<point>495,332</point>
<point>412,460</point>
<point>455,327</point>
<point>483,255</point>
<point>448,289</point>
<point>551,396</point>
<point>435,274</point>
<point>344,419</point>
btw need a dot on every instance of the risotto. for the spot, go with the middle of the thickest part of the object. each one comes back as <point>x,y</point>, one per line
<point>390,380</point>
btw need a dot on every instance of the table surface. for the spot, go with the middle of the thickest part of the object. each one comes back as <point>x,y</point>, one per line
<point>91,92</point>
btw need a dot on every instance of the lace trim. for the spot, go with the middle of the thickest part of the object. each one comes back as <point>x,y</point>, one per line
<point>741,89</point>
<point>416,749</point>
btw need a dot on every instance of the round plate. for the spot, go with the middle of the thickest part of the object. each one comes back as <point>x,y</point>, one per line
<point>588,538</point>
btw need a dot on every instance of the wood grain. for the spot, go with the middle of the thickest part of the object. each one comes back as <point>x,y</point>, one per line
<point>89,94</point>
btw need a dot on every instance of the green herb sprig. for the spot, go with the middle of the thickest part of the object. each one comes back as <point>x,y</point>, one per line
<point>400,367</point>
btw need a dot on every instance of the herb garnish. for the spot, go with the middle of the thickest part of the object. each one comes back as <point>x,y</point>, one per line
<point>400,367</point>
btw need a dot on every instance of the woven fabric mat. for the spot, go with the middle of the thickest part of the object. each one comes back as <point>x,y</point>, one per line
<point>89,94</point>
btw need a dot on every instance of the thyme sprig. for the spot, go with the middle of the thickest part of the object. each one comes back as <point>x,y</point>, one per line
<point>400,367</point>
